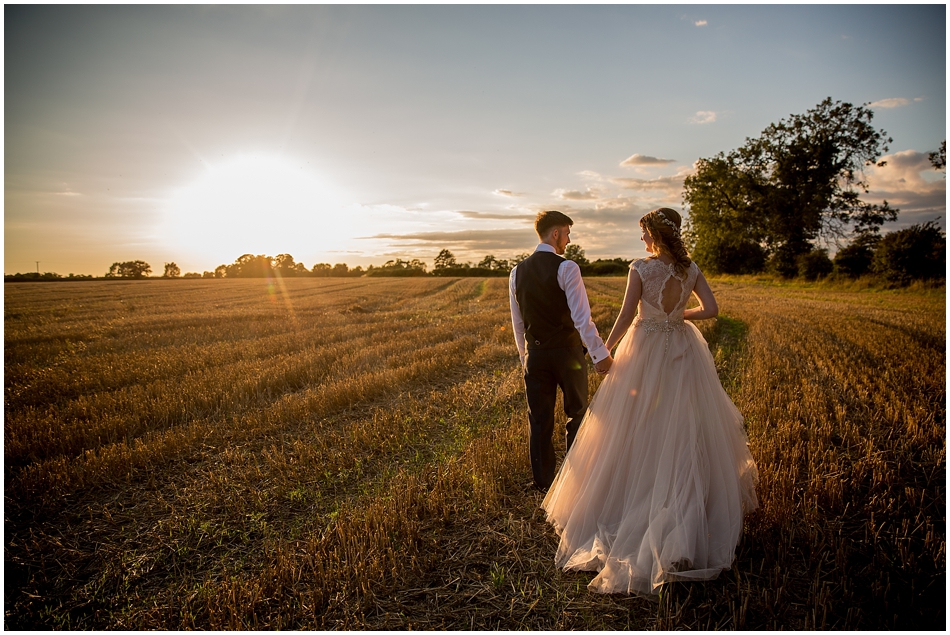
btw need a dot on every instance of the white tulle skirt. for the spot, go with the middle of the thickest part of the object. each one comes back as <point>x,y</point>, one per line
<point>659,477</point>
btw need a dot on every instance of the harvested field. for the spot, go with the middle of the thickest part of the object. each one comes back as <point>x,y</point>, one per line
<point>352,453</point>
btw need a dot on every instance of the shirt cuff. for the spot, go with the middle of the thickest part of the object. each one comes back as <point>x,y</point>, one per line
<point>599,353</point>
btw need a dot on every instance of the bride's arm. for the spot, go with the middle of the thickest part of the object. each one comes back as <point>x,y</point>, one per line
<point>628,311</point>
<point>707,302</point>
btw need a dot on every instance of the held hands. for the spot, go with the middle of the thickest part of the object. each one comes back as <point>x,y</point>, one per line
<point>604,365</point>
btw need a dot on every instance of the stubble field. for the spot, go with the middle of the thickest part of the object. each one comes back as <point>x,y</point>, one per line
<point>352,453</point>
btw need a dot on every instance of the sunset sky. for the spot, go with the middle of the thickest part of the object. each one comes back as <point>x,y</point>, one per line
<point>360,134</point>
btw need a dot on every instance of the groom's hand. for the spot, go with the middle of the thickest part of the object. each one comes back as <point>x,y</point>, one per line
<point>604,365</point>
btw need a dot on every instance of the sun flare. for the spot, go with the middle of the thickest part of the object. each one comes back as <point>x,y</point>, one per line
<point>260,204</point>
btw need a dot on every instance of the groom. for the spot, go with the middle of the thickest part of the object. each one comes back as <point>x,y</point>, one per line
<point>550,317</point>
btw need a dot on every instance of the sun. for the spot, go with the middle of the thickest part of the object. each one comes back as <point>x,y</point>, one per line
<point>258,204</point>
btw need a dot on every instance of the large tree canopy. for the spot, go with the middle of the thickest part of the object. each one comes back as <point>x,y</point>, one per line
<point>779,194</point>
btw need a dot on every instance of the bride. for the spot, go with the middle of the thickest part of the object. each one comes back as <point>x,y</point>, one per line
<point>658,479</point>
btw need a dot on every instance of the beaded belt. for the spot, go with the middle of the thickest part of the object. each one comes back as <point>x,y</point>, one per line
<point>653,325</point>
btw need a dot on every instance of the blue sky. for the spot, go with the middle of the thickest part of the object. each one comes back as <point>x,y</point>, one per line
<point>359,134</point>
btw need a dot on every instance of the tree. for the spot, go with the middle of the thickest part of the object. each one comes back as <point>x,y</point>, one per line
<point>855,259</point>
<point>171,270</point>
<point>488,262</point>
<point>250,266</point>
<point>814,264</point>
<point>938,158</point>
<point>576,253</point>
<point>444,260</point>
<point>723,232</point>
<point>799,183</point>
<point>517,260</point>
<point>915,253</point>
<point>491,263</point>
<point>610,267</point>
<point>399,267</point>
<point>284,265</point>
<point>133,269</point>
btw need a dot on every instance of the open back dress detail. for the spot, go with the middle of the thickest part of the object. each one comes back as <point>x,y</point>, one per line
<point>659,477</point>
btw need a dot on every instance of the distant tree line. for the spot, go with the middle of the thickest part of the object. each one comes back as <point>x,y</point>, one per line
<point>48,276</point>
<point>900,257</point>
<point>284,266</point>
<point>446,265</point>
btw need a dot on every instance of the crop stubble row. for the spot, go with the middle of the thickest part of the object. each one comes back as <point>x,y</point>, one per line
<point>352,453</point>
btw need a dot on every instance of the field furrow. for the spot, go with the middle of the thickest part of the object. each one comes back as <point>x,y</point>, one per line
<point>329,454</point>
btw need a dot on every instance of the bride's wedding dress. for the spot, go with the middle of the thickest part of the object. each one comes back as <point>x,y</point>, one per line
<point>658,479</point>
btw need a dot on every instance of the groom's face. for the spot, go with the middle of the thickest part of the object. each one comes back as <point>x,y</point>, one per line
<point>562,238</point>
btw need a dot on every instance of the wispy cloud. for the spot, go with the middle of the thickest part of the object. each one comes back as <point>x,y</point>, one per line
<point>642,159</point>
<point>508,193</point>
<point>893,102</point>
<point>65,190</point>
<point>703,116</point>
<point>493,216</point>
<point>664,183</point>
<point>700,23</point>
<point>472,239</point>
<point>577,195</point>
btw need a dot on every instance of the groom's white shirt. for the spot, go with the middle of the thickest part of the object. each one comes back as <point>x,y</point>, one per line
<point>570,280</point>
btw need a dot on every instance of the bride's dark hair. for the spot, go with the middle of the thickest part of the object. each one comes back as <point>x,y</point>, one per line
<point>663,224</point>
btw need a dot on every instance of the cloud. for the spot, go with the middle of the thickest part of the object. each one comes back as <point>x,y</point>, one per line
<point>703,116</point>
<point>492,216</point>
<point>918,98</point>
<point>909,182</point>
<point>893,102</point>
<point>508,193</point>
<point>700,23</point>
<point>66,190</point>
<point>491,239</point>
<point>642,159</point>
<point>590,175</point>
<point>605,228</point>
<point>576,195</point>
<point>668,184</point>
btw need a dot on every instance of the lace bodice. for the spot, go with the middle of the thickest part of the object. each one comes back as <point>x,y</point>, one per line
<point>662,287</point>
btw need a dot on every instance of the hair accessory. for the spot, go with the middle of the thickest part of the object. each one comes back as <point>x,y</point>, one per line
<point>662,217</point>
